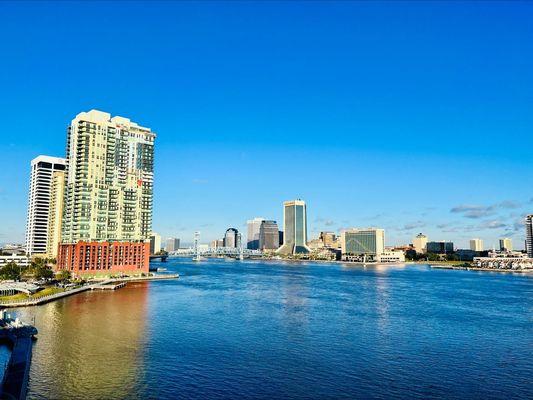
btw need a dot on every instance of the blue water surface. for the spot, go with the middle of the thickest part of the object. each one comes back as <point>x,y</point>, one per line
<point>275,330</point>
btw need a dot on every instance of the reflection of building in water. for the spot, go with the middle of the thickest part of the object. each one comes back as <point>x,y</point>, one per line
<point>89,342</point>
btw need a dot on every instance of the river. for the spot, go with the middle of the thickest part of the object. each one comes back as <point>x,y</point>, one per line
<point>270,330</point>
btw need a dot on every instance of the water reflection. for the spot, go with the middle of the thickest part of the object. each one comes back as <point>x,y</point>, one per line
<point>89,343</point>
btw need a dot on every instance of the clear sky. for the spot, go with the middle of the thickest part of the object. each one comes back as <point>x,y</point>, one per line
<point>414,117</point>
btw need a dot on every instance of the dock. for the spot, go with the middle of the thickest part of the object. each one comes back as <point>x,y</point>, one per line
<point>20,336</point>
<point>111,286</point>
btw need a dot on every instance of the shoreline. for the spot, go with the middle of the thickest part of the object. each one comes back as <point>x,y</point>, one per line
<point>432,264</point>
<point>91,286</point>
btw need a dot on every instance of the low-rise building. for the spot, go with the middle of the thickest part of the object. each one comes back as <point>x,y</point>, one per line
<point>391,256</point>
<point>22,261</point>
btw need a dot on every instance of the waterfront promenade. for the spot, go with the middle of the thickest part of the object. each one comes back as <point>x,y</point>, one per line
<point>89,286</point>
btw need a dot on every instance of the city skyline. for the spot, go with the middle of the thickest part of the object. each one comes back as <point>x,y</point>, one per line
<point>440,112</point>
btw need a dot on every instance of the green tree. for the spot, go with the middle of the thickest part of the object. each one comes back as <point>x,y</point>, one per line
<point>433,257</point>
<point>63,275</point>
<point>43,272</point>
<point>10,271</point>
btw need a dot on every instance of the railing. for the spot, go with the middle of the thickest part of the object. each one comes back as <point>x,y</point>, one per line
<point>43,299</point>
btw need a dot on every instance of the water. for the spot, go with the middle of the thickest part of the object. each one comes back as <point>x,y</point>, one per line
<point>279,330</point>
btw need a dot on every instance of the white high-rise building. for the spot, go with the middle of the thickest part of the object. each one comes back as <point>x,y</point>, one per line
<point>476,244</point>
<point>294,228</point>
<point>529,235</point>
<point>254,225</point>
<point>42,170</point>
<point>420,242</point>
<point>506,244</point>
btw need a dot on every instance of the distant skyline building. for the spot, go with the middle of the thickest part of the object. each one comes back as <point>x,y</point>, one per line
<point>419,243</point>
<point>268,235</point>
<point>55,214</point>
<point>367,241</point>
<point>294,228</point>
<point>41,179</point>
<point>254,226</point>
<point>441,247</point>
<point>107,217</point>
<point>506,244</point>
<point>172,244</point>
<point>155,243</point>
<point>476,244</point>
<point>231,238</point>
<point>529,235</point>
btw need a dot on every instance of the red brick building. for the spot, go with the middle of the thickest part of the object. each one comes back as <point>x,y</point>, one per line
<point>104,258</point>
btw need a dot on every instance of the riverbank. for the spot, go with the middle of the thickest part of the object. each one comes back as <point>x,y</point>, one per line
<point>458,267</point>
<point>95,284</point>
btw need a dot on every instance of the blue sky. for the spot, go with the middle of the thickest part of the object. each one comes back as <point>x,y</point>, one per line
<point>415,117</point>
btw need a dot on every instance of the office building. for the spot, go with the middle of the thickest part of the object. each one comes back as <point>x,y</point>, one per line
<point>107,218</point>
<point>172,244</point>
<point>362,242</point>
<point>254,225</point>
<point>155,243</point>
<point>294,228</point>
<point>476,244</point>
<point>231,238</point>
<point>41,178</point>
<point>268,235</point>
<point>419,243</point>
<point>441,247</point>
<point>529,235</point>
<point>55,213</point>
<point>506,244</point>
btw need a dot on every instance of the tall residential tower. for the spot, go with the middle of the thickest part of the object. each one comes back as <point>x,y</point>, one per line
<point>41,178</point>
<point>107,218</point>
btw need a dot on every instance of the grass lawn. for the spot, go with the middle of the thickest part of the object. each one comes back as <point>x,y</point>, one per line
<point>22,296</point>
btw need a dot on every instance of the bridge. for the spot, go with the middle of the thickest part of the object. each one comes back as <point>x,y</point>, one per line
<point>162,257</point>
<point>216,252</point>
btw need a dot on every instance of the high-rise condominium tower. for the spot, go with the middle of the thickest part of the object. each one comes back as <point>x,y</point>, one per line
<point>529,235</point>
<point>294,228</point>
<point>41,178</point>
<point>107,216</point>
<point>254,226</point>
